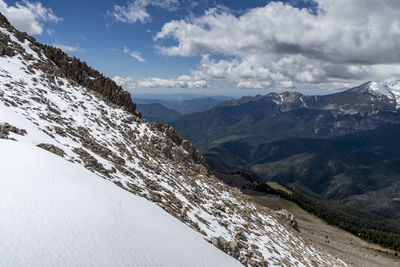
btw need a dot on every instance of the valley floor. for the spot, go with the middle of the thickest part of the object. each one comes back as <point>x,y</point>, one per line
<point>336,241</point>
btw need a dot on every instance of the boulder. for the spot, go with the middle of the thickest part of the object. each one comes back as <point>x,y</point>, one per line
<point>289,218</point>
<point>230,247</point>
<point>9,52</point>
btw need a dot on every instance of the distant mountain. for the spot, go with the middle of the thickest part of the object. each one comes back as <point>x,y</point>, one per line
<point>179,96</point>
<point>342,147</point>
<point>146,101</point>
<point>157,112</point>
<point>292,115</point>
<point>184,106</point>
<point>197,105</point>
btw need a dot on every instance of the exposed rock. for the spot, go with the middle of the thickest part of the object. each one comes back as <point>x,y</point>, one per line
<point>288,218</point>
<point>4,20</point>
<point>230,247</point>
<point>9,52</point>
<point>53,149</point>
<point>6,128</point>
<point>84,75</point>
<point>4,46</point>
<point>177,138</point>
<point>166,150</point>
<point>90,162</point>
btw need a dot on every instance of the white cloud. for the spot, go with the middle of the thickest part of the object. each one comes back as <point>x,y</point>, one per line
<point>182,81</point>
<point>28,16</point>
<point>127,83</point>
<point>50,32</point>
<point>136,10</point>
<point>278,45</point>
<point>134,54</point>
<point>67,48</point>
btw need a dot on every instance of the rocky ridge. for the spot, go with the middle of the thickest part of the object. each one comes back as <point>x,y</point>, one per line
<point>369,97</point>
<point>88,128</point>
<point>69,67</point>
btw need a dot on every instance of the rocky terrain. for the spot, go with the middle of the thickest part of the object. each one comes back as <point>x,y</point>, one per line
<point>63,106</point>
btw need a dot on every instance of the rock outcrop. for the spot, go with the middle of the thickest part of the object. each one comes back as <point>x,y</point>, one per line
<point>6,128</point>
<point>288,218</point>
<point>52,148</point>
<point>178,139</point>
<point>4,20</point>
<point>81,73</point>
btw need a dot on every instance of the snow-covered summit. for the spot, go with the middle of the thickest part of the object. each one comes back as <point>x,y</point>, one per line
<point>149,160</point>
<point>389,89</point>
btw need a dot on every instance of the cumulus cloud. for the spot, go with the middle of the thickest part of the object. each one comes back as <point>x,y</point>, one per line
<point>339,42</point>
<point>126,82</point>
<point>28,16</point>
<point>133,54</point>
<point>136,10</point>
<point>68,48</point>
<point>182,81</point>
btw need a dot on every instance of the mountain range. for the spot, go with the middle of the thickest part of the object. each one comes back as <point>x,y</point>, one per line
<point>157,112</point>
<point>341,147</point>
<point>166,110</point>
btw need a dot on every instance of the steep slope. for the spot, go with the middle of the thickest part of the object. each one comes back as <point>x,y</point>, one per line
<point>55,213</point>
<point>41,104</point>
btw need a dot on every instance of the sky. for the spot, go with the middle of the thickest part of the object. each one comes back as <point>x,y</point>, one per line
<point>222,47</point>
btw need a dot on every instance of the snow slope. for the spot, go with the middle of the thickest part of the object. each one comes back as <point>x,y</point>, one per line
<point>390,89</point>
<point>54,213</point>
<point>142,159</point>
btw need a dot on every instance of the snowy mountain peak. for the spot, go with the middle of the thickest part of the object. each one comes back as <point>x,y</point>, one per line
<point>389,89</point>
<point>43,103</point>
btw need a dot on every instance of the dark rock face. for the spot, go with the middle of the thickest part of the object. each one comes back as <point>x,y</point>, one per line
<point>4,47</point>
<point>4,20</point>
<point>71,68</point>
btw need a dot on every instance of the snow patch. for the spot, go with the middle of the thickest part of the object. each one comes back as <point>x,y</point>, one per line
<point>54,213</point>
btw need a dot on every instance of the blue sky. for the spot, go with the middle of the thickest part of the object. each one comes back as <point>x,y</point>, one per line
<point>222,47</point>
